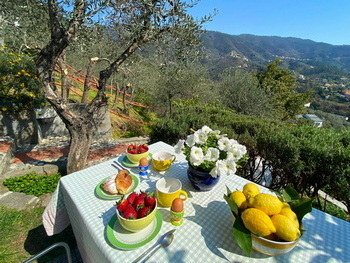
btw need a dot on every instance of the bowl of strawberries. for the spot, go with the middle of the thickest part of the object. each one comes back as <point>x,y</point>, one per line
<point>136,210</point>
<point>136,152</point>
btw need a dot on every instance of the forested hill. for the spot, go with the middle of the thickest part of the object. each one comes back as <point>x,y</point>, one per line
<point>301,55</point>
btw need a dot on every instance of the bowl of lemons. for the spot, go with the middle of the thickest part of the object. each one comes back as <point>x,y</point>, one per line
<point>267,222</point>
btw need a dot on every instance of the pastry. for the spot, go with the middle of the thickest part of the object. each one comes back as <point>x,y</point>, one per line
<point>118,183</point>
<point>123,181</point>
<point>109,185</point>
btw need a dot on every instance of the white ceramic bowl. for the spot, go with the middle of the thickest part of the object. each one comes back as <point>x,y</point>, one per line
<point>270,247</point>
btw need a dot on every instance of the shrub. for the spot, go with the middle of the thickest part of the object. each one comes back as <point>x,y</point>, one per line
<point>280,153</point>
<point>33,184</point>
<point>20,87</point>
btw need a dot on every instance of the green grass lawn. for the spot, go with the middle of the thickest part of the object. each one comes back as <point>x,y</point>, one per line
<point>23,235</point>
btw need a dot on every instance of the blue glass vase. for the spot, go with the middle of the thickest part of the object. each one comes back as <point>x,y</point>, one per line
<point>200,180</point>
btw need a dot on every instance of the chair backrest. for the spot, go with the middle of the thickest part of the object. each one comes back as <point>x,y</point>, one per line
<point>58,244</point>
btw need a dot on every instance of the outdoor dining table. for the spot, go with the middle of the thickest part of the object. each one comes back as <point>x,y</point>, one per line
<point>204,236</point>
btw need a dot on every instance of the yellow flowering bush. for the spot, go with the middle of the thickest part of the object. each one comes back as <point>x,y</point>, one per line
<point>20,87</point>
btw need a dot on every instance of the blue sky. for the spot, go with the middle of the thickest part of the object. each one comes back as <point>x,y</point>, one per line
<point>319,20</point>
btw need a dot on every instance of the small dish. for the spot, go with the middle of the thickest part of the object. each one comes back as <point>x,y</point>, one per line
<point>126,162</point>
<point>120,238</point>
<point>104,195</point>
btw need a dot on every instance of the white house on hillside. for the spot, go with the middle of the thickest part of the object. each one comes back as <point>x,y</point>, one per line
<point>312,117</point>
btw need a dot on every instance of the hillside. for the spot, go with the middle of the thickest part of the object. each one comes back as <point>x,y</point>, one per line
<point>305,56</point>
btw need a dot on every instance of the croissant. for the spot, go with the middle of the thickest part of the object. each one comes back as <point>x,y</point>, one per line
<point>123,181</point>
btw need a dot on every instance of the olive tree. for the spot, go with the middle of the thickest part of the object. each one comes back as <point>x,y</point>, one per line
<point>133,24</point>
<point>240,91</point>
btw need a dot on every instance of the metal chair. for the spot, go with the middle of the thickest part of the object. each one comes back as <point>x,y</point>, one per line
<point>59,244</point>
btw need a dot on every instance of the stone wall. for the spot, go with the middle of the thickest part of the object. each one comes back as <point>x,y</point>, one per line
<point>30,127</point>
<point>52,125</point>
<point>21,127</point>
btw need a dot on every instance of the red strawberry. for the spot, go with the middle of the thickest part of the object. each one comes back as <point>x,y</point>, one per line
<point>144,211</point>
<point>150,200</point>
<point>139,202</point>
<point>132,149</point>
<point>143,148</point>
<point>130,212</point>
<point>122,204</point>
<point>143,195</point>
<point>131,198</point>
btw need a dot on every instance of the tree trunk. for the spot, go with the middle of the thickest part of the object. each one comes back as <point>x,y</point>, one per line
<point>80,141</point>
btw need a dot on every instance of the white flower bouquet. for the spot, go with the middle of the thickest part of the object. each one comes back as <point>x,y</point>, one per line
<point>209,151</point>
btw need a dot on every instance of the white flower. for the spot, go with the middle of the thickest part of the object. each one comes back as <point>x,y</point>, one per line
<point>179,146</point>
<point>198,151</point>
<point>224,143</point>
<point>231,166</point>
<point>206,129</point>
<point>212,154</point>
<point>221,168</point>
<point>196,156</point>
<point>200,137</point>
<point>190,140</point>
<point>236,152</point>
<point>233,142</point>
<point>214,172</point>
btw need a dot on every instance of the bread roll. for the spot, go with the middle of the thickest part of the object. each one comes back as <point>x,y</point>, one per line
<point>123,181</point>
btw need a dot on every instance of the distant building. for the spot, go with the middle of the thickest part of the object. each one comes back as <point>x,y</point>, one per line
<point>307,105</point>
<point>312,117</point>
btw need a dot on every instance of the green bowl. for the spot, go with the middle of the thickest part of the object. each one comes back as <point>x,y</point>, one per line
<point>135,158</point>
<point>135,225</point>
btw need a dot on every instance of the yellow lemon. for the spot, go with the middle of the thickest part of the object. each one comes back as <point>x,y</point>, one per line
<point>291,215</point>
<point>285,228</point>
<point>239,198</point>
<point>250,190</point>
<point>272,236</point>
<point>257,222</point>
<point>267,203</point>
<point>285,204</point>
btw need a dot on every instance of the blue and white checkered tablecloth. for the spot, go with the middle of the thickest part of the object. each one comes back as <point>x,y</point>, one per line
<point>205,235</point>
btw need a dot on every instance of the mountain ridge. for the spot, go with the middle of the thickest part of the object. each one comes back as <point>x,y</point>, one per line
<point>262,49</point>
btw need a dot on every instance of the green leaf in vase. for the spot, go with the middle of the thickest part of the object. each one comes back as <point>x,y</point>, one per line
<point>242,236</point>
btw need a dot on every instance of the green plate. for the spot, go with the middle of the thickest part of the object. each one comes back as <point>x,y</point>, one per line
<point>120,238</point>
<point>126,162</point>
<point>104,195</point>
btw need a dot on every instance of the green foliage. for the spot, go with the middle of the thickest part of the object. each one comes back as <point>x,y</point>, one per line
<point>20,87</point>
<point>33,184</point>
<point>23,23</point>
<point>305,157</point>
<point>281,85</point>
<point>239,91</point>
<point>190,114</point>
